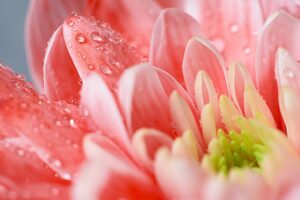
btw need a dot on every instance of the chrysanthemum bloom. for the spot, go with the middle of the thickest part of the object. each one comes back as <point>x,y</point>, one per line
<point>184,123</point>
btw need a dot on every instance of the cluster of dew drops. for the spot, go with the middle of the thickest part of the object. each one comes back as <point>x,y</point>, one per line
<point>105,41</point>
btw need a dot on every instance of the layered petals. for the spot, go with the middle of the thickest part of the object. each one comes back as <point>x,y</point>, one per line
<point>167,45</point>
<point>47,15</point>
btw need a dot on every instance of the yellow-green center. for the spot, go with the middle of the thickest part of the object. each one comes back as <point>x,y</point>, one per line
<point>234,150</point>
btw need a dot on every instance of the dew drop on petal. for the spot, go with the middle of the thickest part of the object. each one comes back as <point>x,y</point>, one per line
<point>247,50</point>
<point>91,67</point>
<point>96,36</point>
<point>54,191</point>
<point>234,28</point>
<point>288,72</point>
<point>72,123</point>
<point>105,70</point>
<point>219,44</point>
<point>21,152</point>
<point>80,38</point>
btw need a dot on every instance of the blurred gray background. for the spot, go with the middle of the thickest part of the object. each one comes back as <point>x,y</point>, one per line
<point>12,18</point>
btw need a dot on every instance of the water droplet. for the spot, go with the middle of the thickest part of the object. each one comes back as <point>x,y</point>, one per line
<point>91,67</point>
<point>79,82</point>
<point>96,36</point>
<point>234,28</point>
<point>71,23</point>
<point>66,176</point>
<point>54,191</point>
<point>72,123</point>
<point>56,163</point>
<point>219,44</point>
<point>83,57</point>
<point>58,123</point>
<point>288,72</point>
<point>80,38</point>
<point>247,50</point>
<point>21,152</point>
<point>105,70</point>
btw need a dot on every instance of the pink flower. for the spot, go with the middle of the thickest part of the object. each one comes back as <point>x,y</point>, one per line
<point>184,123</point>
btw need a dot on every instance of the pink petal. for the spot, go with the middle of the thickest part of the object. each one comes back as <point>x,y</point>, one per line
<point>133,18</point>
<point>178,177</point>
<point>103,109</point>
<point>143,100</point>
<point>146,143</point>
<point>43,19</point>
<point>238,78</point>
<point>95,47</point>
<point>171,33</point>
<point>60,72</point>
<point>270,6</point>
<point>29,178</point>
<point>115,178</point>
<point>225,24</point>
<point>270,40</point>
<point>55,129</point>
<point>200,54</point>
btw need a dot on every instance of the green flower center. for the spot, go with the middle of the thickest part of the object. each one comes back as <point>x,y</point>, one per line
<point>233,150</point>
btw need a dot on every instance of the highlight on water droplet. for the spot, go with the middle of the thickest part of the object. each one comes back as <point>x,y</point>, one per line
<point>247,50</point>
<point>288,72</point>
<point>234,28</point>
<point>105,70</point>
<point>96,37</point>
<point>80,38</point>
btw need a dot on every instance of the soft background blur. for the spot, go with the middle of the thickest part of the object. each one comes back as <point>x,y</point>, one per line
<point>12,18</point>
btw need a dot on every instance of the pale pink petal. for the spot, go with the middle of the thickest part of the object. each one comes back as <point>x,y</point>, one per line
<point>55,130</point>
<point>133,18</point>
<point>43,19</point>
<point>200,54</point>
<point>115,178</point>
<point>103,109</point>
<point>232,26</point>
<point>289,106</point>
<point>270,6</point>
<point>146,143</point>
<point>170,84</point>
<point>228,113</point>
<point>61,80</point>
<point>95,47</point>
<point>273,37</point>
<point>183,118</point>
<point>208,124</point>
<point>143,100</point>
<point>171,33</point>
<point>238,79</point>
<point>178,177</point>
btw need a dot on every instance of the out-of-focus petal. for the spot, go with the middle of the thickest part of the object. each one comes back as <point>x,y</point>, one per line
<point>118,178</point>
<point>103,109</point>
<point>179,177</point>
<point>226,25</point>
<point>55,129</point>
<point>171,33</point>
<point>273,37</point>
<point>143,100</point>
<point>270,6</point>
<point>95,47</point>
<point>43,19</point>
<point>61,80</point>
<point>146,143</point>
<point>200,54</point>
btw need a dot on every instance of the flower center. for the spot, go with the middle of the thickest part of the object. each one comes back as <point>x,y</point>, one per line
<point>233,150</point>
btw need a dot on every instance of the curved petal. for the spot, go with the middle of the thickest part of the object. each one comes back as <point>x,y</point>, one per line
<point>146,143</point>
<point>270,6</point>
<point>103,109</point>
<point>42,20</point>
<point>200,54</point>
<point>171,33</point>
<point>95,47</point>
<point>178,177</point>
<point>233,34</point>
<point>55,130</point>
<point>60,72</point>
<point>115,178</point>
<point>143,100</point>
<point>273,37</point>
<point>133,18</point>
